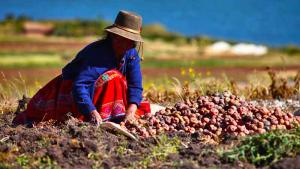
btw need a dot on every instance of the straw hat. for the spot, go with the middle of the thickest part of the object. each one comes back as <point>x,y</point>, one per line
<point>128,25</point>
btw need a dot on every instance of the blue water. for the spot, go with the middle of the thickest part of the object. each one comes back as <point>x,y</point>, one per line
<point>275,22</point>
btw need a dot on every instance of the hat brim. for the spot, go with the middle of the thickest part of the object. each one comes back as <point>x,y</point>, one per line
<point>124,33</point>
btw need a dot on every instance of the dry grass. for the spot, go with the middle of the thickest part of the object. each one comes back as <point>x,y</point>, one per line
<point>271,87</point>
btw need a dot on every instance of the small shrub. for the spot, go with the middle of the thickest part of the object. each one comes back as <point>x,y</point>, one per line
<point>266,148</point>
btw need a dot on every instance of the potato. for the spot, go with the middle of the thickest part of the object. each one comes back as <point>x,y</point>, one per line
<point>193,120</point>
<point>236,116</point>
<point>286,117</point>
<point>260,125</point>
<point>281,121</point>
<point>235,133</point>
<point>247,132</point>
<point>172,128</point>
<point>212,128</point>
<point>258,116</point>
<point>205,119</point>
<point>214,116</point>
<point>207,132</point>
<point>254,127</point>
<point>274,121</point>
<point>233,122</point>
<point>265,111</point>
<point>166,127</point>
<point>213,121</point>
<point>176,120</point>
<point>216,100</point>
<point>152,132</point>
<point>219,131</point>
<point>273,127</point>
<point>261,131</point>
<point>241,128</point>
<point>242,134</point>
<point>214,111</point>
<point>231,128</point>
<point>242,110</point>
<point>230,111</point>
<point>192,130</point>
<point>186,120</point>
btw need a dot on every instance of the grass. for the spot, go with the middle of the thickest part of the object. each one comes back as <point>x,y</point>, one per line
<point>267,85</point>
<point>248,62</point>
<point>160,151</point>
<point>19,60</point>
<point>265,149</point>
<point>50,59</point>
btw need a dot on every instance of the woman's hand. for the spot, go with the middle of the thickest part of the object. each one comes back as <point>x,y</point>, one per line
<point>95,118</point>
<point>130,113</point>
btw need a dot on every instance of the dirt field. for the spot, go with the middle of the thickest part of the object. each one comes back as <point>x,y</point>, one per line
<point>80,145</point>
<point>238,74</point>
<point>75,144</point>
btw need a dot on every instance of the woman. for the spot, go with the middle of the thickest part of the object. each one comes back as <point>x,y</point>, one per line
<point>102,83</point>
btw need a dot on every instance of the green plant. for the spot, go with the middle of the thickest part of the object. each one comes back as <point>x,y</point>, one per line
<point>4,166</point>
<point>266,148</point>
<point>79,28</point>
<point>121,149</point>
<point>160,151</point>
<point>46,162</point>
<point>96,158</point>
<point>22,160</point>
<point>290,50</point>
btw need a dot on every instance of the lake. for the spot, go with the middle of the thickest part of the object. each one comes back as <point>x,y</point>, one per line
<point>274,23</point>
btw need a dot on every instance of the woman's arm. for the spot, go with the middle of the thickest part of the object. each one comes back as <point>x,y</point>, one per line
<point>134,82</point>
<point>134,79</point>
<point>82,86</point>
<point>82,90</point>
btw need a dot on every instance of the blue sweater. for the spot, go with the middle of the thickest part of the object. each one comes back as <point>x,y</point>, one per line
<point>92,61</point>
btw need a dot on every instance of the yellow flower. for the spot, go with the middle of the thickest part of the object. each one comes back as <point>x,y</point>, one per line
<point>182,72</point>
<point>191,70</point>
<point>192,75</point>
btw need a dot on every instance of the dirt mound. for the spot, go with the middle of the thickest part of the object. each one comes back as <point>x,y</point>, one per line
<point>290,163</point>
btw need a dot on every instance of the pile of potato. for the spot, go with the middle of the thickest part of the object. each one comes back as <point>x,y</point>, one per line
<point>214,116</point>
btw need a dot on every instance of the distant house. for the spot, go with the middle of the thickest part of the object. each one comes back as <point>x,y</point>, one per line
<point>37,29</point>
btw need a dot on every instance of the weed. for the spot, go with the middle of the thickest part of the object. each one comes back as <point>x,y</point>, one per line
<point>46,162</point>
<point>96,158</point>
<point>4,166</point>
<point>160,151</point>
<point>266,148</point>
<point>22,160</point>
<point>121,149</point>
<point>279,88</point>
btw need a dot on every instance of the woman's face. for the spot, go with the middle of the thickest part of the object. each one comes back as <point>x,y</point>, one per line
<point>121,44</point>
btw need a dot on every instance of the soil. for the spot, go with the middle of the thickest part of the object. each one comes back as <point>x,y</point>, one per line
<point>290,163</point>
<point>40,46</point>
<point>75,144</point>
<point>44,75</point>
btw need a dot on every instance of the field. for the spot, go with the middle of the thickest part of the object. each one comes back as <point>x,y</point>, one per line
<point>186,75</point>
